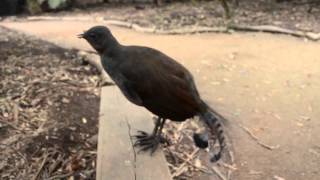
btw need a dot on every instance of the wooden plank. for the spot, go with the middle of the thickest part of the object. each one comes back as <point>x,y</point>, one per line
<point>117,159</point>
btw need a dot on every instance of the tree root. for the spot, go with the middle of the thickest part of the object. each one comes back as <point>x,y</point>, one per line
<point>187,30</point>
<point>202,29</point>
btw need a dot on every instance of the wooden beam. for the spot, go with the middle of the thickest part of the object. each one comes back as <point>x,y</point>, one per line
<point>117,159</point>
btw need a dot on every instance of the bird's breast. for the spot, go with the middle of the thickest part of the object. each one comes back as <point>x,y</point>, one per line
<point>110,66</point>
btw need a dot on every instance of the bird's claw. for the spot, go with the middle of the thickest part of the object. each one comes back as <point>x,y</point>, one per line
<point>148,142</point>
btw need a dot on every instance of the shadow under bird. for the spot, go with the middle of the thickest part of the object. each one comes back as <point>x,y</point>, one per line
<point>149,78</point>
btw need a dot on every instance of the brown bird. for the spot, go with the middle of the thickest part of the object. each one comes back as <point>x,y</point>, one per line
<point>149,78</point>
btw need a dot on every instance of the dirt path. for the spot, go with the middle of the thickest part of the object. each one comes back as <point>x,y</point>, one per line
<point>266,83</point>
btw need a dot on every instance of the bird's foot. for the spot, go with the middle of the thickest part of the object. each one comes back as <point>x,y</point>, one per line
<point>148,142</point>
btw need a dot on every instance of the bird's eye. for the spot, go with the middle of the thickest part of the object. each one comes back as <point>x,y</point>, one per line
<point>93,36</point>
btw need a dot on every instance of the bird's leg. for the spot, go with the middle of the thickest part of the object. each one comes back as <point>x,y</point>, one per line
<point>146,141</point>
<point>156,127</point>
<point>161,138</point>
<point>143,134</point>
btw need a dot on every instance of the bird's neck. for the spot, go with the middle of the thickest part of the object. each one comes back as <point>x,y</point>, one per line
<point>110,48</point>
<point>111,51</point>
<point>110,58</point>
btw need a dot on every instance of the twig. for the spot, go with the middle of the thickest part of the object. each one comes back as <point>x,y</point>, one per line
<point>15,112</point>
<point>61,176</point>
<point>228,166</point>
<point>191,156</point>
<point>255,138</point>
<point>191,164</point>
<point>16,151</point>
<point>232,161</point>
<point>217,171</point>
<point>231,156</point>
<point>41,166</point>
<point>275,29</point>
<point>11,125</point>
<point>26,121</point>
<point>54,165</point>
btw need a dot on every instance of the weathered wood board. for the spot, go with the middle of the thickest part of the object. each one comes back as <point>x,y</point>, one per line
<point>117,159</point>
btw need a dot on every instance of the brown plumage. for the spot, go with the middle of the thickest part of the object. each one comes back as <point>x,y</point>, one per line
<point>165,87</point>
<point>149,78</point>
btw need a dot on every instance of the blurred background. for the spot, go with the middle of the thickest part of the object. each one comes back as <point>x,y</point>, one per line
<point>10,7</point>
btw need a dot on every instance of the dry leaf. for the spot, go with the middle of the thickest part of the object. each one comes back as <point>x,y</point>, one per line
<point>300,124</point>
<point>84,120</point>
<point>197,163</point>
<point>278,177</point>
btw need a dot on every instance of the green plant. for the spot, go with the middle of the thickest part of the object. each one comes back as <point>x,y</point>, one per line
<point>33,6</point>
<point>57,4</point>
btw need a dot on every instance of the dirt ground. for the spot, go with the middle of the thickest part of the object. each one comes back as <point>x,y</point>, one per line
<point>267,86</point>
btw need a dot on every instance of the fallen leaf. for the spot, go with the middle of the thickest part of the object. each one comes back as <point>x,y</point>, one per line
<point>84,120</point>
<point>226,80</point>
<point>253,172</point>
<point>305,118</point>
<point>215,82</point>
<point>300,124</point>
<point>65,100</point>
<point>197,163</point>
<point>278,177</point>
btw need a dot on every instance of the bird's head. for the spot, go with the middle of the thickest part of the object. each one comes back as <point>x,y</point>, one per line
<point>100,38</point>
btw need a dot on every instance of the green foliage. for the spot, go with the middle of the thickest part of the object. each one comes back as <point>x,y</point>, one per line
<point>57,4</point>
<point>37,6</point>
<point>33,6</point>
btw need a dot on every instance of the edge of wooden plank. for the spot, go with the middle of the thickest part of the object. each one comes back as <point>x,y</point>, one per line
<point>117,159</point>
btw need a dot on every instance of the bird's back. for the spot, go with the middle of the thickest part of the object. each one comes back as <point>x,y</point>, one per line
<point>164,86</point>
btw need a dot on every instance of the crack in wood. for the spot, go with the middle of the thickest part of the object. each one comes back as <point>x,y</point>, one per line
<point>134,151</point>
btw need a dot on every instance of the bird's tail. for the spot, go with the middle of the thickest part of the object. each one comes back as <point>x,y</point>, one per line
<point>215,131</point>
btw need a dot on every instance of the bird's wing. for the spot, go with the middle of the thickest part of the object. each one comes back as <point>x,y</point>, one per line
<point>164,86</point>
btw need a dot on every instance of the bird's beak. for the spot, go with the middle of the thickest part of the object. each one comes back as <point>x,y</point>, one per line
<point>83,35</point>
<point>80,35</point>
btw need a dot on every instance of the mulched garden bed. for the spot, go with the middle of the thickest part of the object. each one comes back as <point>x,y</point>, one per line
<point>49,106</point>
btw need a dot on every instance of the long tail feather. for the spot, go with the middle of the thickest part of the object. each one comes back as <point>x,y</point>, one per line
<point>216,130</point>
